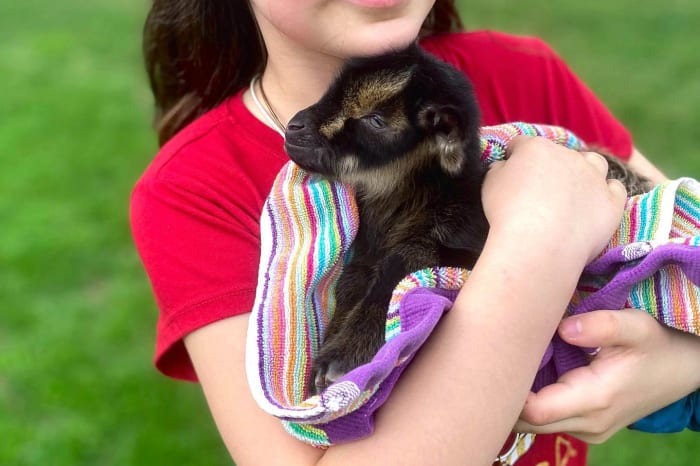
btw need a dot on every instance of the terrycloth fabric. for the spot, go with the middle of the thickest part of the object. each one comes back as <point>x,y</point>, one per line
<point>651,263</point>
<point>495,139</point>
<point>307,227</point>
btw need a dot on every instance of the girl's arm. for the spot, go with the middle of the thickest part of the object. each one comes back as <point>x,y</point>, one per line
<point>550,211</point>
<point>640,164</point>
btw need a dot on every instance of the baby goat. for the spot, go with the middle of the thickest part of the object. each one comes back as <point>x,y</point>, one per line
<point>403,130</point>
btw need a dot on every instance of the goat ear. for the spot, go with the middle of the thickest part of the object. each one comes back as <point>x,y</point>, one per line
<point>444,123</point>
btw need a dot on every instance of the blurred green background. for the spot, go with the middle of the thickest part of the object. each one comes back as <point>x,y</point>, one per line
<point>76,315</point>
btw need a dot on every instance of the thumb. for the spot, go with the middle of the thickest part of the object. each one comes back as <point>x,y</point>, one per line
<point>626,327</point>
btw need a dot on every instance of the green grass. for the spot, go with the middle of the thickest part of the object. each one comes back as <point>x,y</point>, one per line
<point>77,318</point>
<point>77,321</point>
<point>640,58</point>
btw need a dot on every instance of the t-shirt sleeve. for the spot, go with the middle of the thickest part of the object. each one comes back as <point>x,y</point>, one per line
<point>676,417</point>
<point>200,249</point>
<point>520,78</point>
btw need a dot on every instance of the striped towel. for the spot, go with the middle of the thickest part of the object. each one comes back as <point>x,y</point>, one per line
<point>307,227</point>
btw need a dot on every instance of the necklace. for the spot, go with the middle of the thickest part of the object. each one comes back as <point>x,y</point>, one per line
<point>266,109</point>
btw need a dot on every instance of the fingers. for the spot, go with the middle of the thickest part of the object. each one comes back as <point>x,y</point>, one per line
<point>518,141</point>
<point>567,425</point>
<point>553,404</point>
<point>627,327</point>
<point>618,191</point>
<point>569,404</point>
<point>565,190</point>
<point>496,165</point>
<point>570,426</point>
<point>597,161</point>
<point>572,406</point>
<point>600,164</point>
<point>568,398</point>
<point>542,144</point>
<point>627,380</point>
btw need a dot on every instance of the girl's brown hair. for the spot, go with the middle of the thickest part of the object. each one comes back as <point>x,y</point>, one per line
<point>199,52</point>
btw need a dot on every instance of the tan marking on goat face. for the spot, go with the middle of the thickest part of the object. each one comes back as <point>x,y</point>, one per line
<point>385,180</point>
<point>333,126</point>
<point>395,116</point>
<point>348,166</point>
<point>376,89</point>
<point>365,97</point>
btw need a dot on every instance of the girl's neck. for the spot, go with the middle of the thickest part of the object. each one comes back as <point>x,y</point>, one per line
<point>294,77</point>
<point>290,87</point>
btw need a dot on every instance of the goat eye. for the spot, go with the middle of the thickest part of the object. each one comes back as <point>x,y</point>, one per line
<point>375,121</point>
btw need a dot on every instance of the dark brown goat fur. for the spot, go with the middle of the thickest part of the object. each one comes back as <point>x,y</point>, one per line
<point>403,130</point>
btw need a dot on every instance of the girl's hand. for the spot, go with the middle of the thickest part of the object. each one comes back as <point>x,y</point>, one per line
<point>641,367</point>
<point>546,191</point>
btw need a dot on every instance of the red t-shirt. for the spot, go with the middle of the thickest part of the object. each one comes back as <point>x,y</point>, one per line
<point>195,210</point>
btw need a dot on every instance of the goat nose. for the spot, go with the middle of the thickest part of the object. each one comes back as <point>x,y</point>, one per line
<point>297,123</point>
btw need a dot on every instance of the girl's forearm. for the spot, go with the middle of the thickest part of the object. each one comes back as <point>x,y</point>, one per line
<point>464,391</point>
<point>550,210</point>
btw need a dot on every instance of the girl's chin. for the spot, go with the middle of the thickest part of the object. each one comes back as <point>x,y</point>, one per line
<point>383,38</point>
<point>377,3</point>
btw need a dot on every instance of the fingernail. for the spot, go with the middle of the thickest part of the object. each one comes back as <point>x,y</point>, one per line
<point>570,328</point>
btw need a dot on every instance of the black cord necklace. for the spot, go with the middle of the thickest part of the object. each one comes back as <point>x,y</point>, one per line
<point>265,108</point>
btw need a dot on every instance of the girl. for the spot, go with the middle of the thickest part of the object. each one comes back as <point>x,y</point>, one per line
<point>195,214</point>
